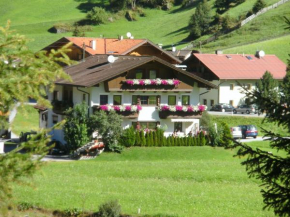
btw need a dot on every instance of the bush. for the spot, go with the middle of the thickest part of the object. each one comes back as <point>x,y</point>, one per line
<point>72,212</point>
<point>142,138</point>
<point>110,209</point>
<point>128,137</point>
<point>138,138</point>
<point>260,4</point>
<point>131,15</point>
<point>97,15</point>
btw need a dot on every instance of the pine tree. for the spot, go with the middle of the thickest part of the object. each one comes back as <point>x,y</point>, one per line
<point>138,139</point>
<point>155,140</point>
<point>142,139</point>
<point>273,170</point>
<point>168,141</point>
<point>151,139</point>
<point>24,75</point>
<point>164,141</point>
<point>147,139</point>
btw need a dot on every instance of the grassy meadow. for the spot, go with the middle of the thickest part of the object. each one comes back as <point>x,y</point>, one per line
<point>35,18</point>
<point>177,181</point>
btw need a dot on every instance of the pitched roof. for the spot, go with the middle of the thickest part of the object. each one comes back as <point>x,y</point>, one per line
<point>97,69</point>
<point>108,45</point>
<point>236,66</point>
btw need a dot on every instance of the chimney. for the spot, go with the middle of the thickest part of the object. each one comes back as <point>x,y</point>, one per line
<point>173,48</point>
<point>218,52</point>
<point>160,45</point>
<point>94,44</point>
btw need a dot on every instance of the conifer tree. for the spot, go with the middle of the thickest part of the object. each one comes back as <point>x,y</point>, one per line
<point>138,139</point>
<point>151,139</point>
<point>24,75</point>
<point>155,140</point>
<point>273,170</point>
<point>142,139</point>
<point>147,139</point>
<point>168,141</point>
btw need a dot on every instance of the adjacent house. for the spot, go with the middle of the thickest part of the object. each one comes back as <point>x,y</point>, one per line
<point>146,90</point>
<point>83,47</point>
<point>228,71</point>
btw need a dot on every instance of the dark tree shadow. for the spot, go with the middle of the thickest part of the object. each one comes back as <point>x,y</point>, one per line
<point>178,31</point>
<point>86,6</point>
<point>189,7</point>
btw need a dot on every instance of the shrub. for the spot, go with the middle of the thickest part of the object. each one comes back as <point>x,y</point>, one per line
<point>26,206</point>
<point>142,138</point>
<point>131,15</point>
<point>128,137</point>
<point>72,212</point>
<point>260,4</point>
<point>97,15</point>
<point>138,138</point>
<point>110,209</point>
<point>63,27</point>
<point>168,141</point>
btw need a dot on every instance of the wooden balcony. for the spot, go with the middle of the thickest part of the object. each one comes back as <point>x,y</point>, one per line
<point>59,107</point>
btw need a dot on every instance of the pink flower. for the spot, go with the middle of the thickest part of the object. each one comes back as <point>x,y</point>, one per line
<point>164,108</point>
<point>201,108</point>
<point>130,82</point>
<point>164,82</point>
<point>176,82</point>
<point>128,108</point>
<point>141,82</point>
<point>189,109</point>
<point>104,108</point>
<point>178,108</point>
<point>153,82</point>
<point>139,107</point>
<point>116,108</point>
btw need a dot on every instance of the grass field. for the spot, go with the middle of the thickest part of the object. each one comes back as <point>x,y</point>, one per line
<point>25,120</point>
<point>36,17</point>
<point>183,181</point>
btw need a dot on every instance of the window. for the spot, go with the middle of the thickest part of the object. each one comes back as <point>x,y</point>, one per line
<point>117,99</point>
<point>249,86</point>
<point>103,99</point>
<point>54,119</point>
<point>205,101</point>
<point>67,93</point>
<point>185,100</point>
<point>232,86</point>
<point>231,102</point>
<point>148,100</point>
<point>171,100</point>
<point>152,74</point>
<point>55,95</point>
<point>177,126</point>
<point>211,102</point>
<point>145,125</point>
<point>139,74</point>
<point>134,100</point>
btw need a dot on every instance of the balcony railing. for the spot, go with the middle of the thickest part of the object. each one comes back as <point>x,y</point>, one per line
<point>128,111</point>
<point>178,111</point>
<point>60,106</point>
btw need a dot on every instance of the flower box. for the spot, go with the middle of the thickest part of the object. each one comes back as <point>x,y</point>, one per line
<point>175,111</point>
<point>152,82</point>
<point>129,111</point>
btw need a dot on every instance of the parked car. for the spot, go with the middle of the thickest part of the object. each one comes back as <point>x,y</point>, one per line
<point>245,109</point>
<point>222,107</point>
<point>236,132</point>
<point>249,131</point>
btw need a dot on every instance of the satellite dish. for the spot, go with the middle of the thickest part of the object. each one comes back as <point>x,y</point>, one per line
<point>129,34</point>
<point>261,53</point>
<point>111,59</point>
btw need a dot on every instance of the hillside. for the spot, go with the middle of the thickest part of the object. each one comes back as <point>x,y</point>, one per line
<point>36,17</point>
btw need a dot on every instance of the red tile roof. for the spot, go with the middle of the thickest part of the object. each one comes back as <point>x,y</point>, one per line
<point>237,66</point>
<point>107,45</point>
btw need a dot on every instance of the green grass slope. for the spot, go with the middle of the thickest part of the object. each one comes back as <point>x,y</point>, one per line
<point>35,17</point>
<point>179,181</point>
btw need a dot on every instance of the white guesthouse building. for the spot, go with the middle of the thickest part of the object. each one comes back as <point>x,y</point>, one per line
<point>146,90</point>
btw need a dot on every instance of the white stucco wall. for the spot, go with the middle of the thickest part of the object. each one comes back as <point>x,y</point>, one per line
<point>223,94</point>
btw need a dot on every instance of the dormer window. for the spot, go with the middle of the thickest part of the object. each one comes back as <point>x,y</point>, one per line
<point>139,74</point>
<point>152,74</point>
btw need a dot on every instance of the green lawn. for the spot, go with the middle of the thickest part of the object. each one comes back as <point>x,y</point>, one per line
<point>180,181</point>
<point>25,120</point>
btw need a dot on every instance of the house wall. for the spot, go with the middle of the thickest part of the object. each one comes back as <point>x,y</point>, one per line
<point>224,94</point>
<point>149,113</point>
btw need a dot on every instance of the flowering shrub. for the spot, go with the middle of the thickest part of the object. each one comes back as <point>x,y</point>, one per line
<point>156,81</point>
<point>189,108</point>
<point>121,108</point>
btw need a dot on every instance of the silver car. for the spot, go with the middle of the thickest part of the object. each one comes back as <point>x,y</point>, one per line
<point>245,109</point>
<point>236,132</point>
